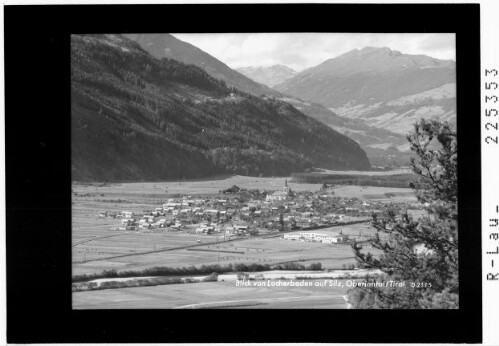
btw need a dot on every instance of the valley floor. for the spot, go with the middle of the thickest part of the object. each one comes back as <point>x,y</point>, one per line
<point>212,295</point>
<point>148,190</point>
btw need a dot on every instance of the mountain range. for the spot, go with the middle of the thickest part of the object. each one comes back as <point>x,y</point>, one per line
<point>268,75</point>
<point>382,87</point>
<point>374,140</point>
<point>136,116</point>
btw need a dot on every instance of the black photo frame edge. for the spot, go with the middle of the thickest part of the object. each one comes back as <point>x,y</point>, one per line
<point>38,177</point>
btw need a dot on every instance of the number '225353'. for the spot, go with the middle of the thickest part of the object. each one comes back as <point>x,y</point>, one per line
<point>491,112</point>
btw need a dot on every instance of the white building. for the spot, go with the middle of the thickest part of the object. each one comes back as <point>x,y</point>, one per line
<point>321,237</point>
<point>333,240</point>
<point>292,236</point>
<point>230,231</point>
<point>307,235</point>
<point>127,221</point>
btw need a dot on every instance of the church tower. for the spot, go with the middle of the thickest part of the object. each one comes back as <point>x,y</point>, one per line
<point>286,188</point>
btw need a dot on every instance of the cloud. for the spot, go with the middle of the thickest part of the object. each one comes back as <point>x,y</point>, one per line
<point>303,50</point>
<point>438,42</point>
<point>444,45</point>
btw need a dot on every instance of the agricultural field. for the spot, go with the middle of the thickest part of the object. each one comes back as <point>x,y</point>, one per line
<point>213,295</point>
<point>157,190</point>
<point>375,193</point>
<point>135,194</point>
<point>124,251</point>
<point>392,172</point>
<point>278,250</point>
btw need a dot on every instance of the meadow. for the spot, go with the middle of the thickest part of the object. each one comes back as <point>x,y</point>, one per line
<point>147,191</point>
<point>123,251</point>
<point>213,295</point>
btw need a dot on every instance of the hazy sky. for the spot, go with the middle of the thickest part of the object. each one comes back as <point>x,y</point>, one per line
<point>303,50</point>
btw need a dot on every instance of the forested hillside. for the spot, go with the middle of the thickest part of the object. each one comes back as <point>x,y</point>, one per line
<point>167,46</point>
<point>138,117</point>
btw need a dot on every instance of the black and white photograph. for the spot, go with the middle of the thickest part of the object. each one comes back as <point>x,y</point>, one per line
<point>264,171</point>
<point>250,173</point>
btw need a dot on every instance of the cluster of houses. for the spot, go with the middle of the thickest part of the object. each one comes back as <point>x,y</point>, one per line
<point>231,216</point>
<point>229,229</point>
<point>316,237</point>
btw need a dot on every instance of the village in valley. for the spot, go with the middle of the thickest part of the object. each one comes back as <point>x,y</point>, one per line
<point>273,228</point>
<point>242,212</point>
